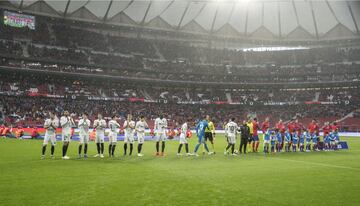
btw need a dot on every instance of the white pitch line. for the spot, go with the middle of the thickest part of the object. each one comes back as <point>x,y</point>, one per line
<point>321,164</point>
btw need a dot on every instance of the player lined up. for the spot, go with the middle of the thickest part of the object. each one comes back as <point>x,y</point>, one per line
<point>275,139</point>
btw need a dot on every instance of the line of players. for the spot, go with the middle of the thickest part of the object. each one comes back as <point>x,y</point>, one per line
<point>275,139</point>
<point>283,137</point>
<point>67,123</point>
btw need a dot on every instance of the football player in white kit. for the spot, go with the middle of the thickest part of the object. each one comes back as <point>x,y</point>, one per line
<point>140,127</point>
<point>66,123</point>
<point>183,140</point>
<point>231,129</point>
<point>84,125</point>
<point>99,126</point>
<point>160,134</point>
<point>114,129</point>
<point>129,129</point>
<point>50,125</point>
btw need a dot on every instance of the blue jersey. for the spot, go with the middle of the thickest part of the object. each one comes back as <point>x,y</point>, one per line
<point>308,137</point>
<point>302,138</point>
<point>273,139</point>
<point>200,128</point>
<point>279,137</point>
<point>287,137</point>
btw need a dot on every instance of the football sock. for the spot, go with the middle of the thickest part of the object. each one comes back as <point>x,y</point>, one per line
<point>52,149</point>
<point>157,146</point>
<point>131,149</point>
<point>125,148</point>
<point>110,149</point>
<point>213,146</point>
<point>102,148</point>
<point>257,146</point>
<point>232,148</point>
<point>113,150</point>
<point>139,148</point>
<point>228,147</point>
<point>43,149</point>
<point>162,147</point>
<point>206,147</point>
<point>98,148</point>
<point>253,146</point>
<point>66,148</point>
<point>63,150</point>
<point>80,148</point>
<point>179,149</point>
<point>187,148</point>
<point>196,147</point>
<point>85,148</point>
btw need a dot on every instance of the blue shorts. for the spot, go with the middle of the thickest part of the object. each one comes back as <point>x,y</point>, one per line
<point>295,141</point>
<point>272,142</point>
<point>308,140</point>
<point>302,140</point>
<point>256,137</point>
<point>201,139</point>
<point>279,140</point>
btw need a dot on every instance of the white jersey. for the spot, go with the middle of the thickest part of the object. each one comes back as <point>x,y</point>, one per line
<point>184,128</point>
<point>129,127</point>
<point>84,126</point>
<point>141,126</point>
<point>100,125</point>
<point>231,128</point>
<point>160,125</point>
<point>114,126</point>
<point>51,125</point>
<point>66,124</point>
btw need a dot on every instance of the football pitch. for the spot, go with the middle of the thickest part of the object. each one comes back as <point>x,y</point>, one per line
<point>316,178</point>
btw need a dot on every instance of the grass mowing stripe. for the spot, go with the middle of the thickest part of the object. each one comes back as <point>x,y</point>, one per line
<point>318,164</point>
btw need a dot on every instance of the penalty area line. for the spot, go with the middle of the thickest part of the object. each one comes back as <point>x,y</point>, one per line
<point>320,164</point>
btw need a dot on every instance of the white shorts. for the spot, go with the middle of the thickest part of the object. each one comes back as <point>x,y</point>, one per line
<point>161,136</point>
<point>66,136</point>
<point>183,139</point>
<point>129,138</point>
<point>84,138</point>
<point>112,137</point>
<point>266,141</point>
<point>99,137</point>
<point>231,139</point>
<point>51,138</point>
<point>141,137</point>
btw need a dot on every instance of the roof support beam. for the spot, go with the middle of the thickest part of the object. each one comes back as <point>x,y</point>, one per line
<point>183,15</point>
<point>332,11</point>
<point>246,20</point>
<point>231,12</point>
<point>107,11</point>
<point>352,16</point>
<point>166,8</point>
<point>215,16</point>
<point>262,13</point>
<point>296,14</point>
<point>279,20</point>
<point>146,13</point>
<point>67,7</point>
<point>21,5</point>
<point>314,20</point>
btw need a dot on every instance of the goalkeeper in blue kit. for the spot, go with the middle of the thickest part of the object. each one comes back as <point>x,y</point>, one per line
<point>200,132</point>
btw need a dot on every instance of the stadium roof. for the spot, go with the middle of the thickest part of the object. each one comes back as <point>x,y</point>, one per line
<point>252,19</point>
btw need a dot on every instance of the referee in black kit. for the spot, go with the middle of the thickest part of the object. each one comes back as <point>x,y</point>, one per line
<point>245,136</point>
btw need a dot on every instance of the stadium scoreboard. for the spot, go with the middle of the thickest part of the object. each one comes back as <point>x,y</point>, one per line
<point>19,20</point>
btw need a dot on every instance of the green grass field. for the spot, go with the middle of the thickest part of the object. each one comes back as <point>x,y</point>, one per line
<point>317,178</point>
